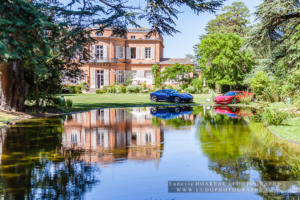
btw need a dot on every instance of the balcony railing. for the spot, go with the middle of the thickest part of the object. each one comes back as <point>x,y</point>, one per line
<point>105,60</point>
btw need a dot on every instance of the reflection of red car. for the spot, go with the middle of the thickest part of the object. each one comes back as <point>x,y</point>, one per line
<point>232,97</point>
<point>231,112</point>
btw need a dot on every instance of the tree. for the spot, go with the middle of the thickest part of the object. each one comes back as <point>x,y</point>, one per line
<point>179,73</point>
<point>41,33</point>
<point>234,19</point>
<point>276,38</point>
<point>156,75</point>
<point>222,61</point>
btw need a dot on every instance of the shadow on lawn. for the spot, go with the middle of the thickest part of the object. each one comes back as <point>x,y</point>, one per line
<point>82,106</point>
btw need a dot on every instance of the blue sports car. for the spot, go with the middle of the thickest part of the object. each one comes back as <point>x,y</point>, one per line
<point>170,95</point>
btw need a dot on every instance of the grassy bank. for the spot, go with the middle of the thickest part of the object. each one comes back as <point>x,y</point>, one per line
<point>291,129</point>
<point>6,117</point>
<point>90,101</point>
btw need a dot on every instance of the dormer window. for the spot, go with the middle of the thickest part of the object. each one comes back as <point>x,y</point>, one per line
<point>132,37</point>
<point>147,37</point>
<point>99,33</point>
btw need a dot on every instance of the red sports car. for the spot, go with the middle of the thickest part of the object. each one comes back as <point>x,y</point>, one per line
<point>232,97</point>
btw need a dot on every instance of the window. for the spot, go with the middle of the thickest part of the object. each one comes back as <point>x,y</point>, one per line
<point>147,37</point>
<point>119,76</point>
<point>99,52</point>
<point>148,75</point>
<point>134,74</point>
<point>121,52</point>
<point>99,33</point>
<point>132,37</point>
<point>147,52</point>
<point>230,94</point>
<point>74,138</point>
<point>133,53</point>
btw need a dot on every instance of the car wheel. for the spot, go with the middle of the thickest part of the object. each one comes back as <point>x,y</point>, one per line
<point>233,101</point>
<point>177,100</point>
<point>233,109</point>
<point>154,110</point>
<point>154,98</point>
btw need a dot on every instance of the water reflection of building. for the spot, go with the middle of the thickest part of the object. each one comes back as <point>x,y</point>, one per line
<point>107,135</point>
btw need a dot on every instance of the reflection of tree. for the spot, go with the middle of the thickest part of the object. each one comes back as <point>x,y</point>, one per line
<point>223,143</point>
<point>33,167</point>
<point>178,122</point>
<point>234,147</point>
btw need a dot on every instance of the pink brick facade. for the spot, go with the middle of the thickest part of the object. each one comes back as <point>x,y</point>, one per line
<point>115,59</point>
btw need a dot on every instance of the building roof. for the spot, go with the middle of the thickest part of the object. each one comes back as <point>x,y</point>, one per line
<point>135,30</point>
<point>141,29</point>
<point>176,60</point>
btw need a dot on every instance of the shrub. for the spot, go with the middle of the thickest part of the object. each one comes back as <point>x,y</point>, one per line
<point>134,89</point>
<point>178,89</point>
<point>144,85</point>
<point>84,85</point>
<point>190,89</point>
<point>71,88</point>
<point>77,89</point>
<point>170,87</point>
<point>104,89</point>
<point>69,103</point>
<point>274,117</point>
<point>198,85</point>
<point>294,79</point>
<point>100,91</point>
<point>205,90</point>
<point>259,82</point>
<point>297,104</point>
<point>246,99</point>
<point>55,101</point>
<point>287,90</point>
<point>122,89</point>
<point>112,89</point>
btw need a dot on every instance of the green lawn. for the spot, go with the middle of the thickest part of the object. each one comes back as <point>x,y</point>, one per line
<point>289,131</point>
<point>90,101</point>
<point>4,117</point>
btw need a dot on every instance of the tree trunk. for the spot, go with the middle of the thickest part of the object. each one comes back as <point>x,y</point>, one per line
<point>13,87</point>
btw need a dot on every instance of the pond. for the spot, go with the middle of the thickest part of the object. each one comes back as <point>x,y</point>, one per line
<point>133,153</point>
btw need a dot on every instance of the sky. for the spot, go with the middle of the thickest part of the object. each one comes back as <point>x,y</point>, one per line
<point>191,27</point>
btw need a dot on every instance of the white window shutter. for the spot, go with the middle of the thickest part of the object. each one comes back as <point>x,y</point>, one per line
<point>117,52</point>
<point>128,53</point>
<point>117,76</point>
<point>123,49</point>
<point>93,52</point>
<point>142,73</point>
<point>152,53</point>
<point>93,117</point>
<point>105,52</point>
<point>106,116</point>
<point>143,53</point>
<point>137,52</point>
<point>92,77</point>
<point>106,77</point>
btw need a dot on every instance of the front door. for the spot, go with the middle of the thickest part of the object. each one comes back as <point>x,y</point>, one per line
<point>100,78</point>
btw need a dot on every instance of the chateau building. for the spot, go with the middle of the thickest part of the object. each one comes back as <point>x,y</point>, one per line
<point>115,59</point>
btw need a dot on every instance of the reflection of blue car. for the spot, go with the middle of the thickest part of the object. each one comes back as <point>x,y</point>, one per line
<point>170,95</point>
<point>171,112</point>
